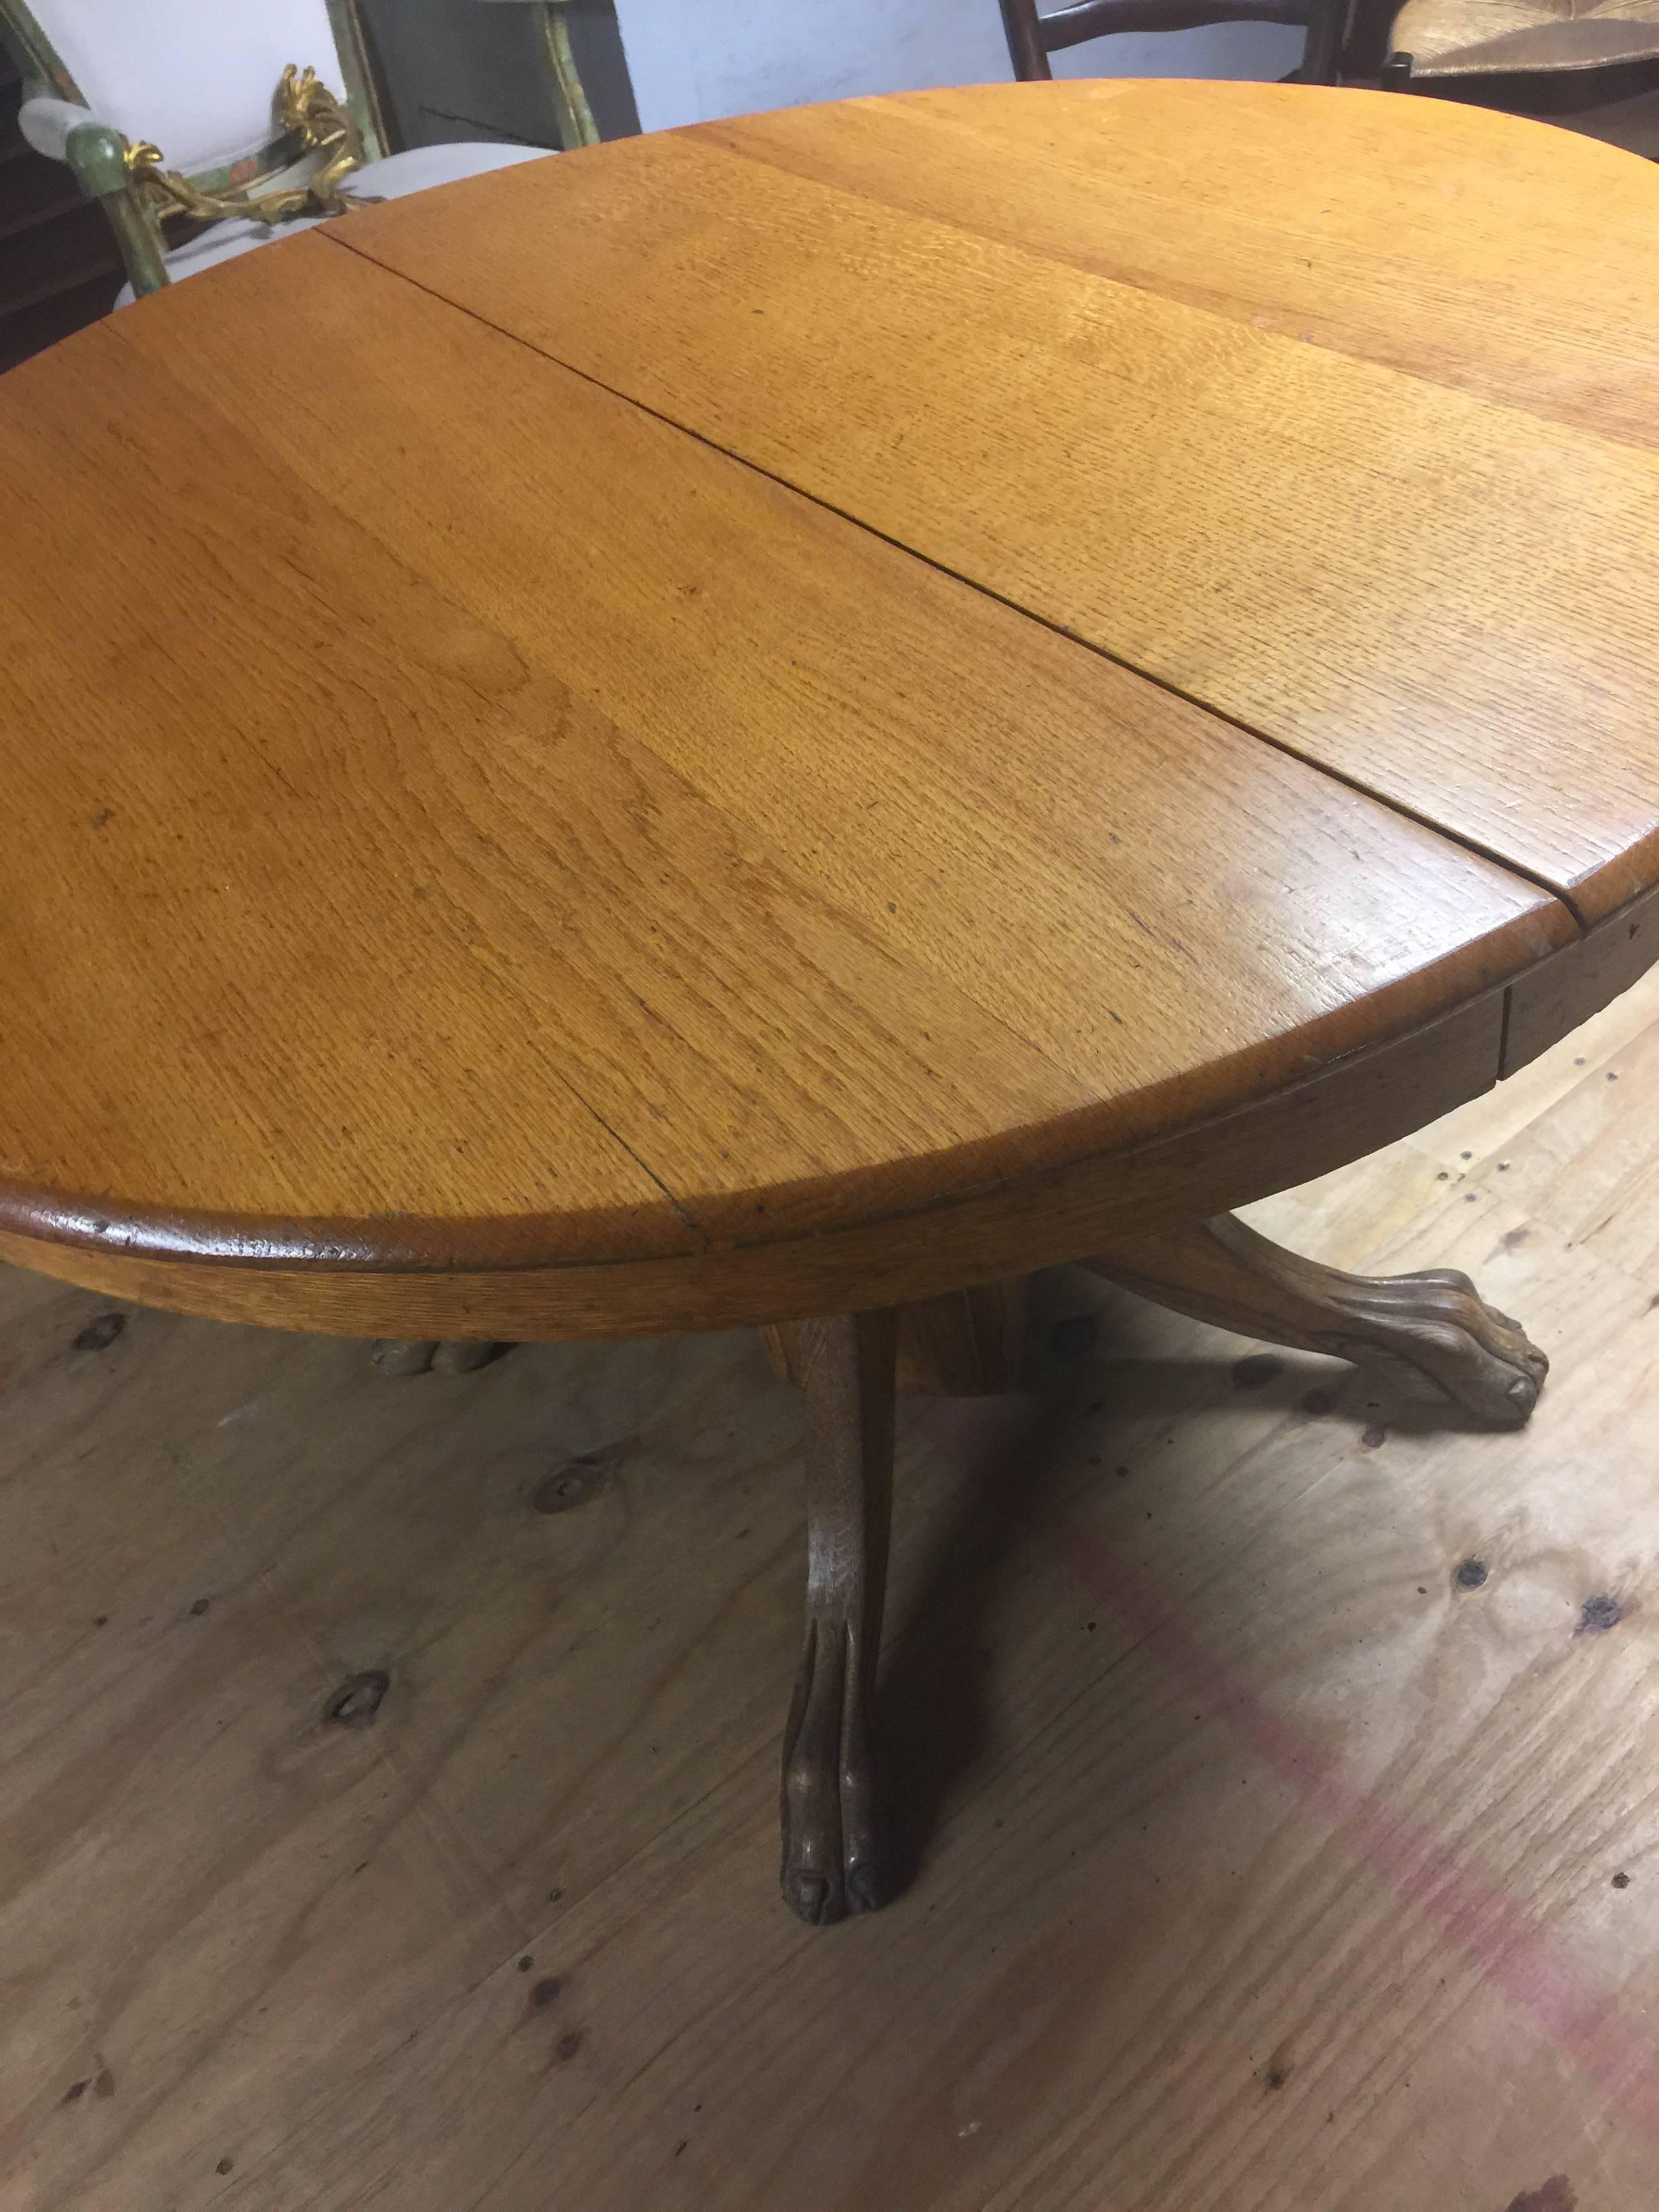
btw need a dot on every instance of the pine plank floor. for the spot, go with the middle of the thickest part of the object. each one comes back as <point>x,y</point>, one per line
<point>1253,1862</point>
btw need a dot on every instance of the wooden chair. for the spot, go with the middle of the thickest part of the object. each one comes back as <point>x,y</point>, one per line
<point>1032,38</point>
<point>576,126</point>
<point>238,122</point>
<point>1562,59</point>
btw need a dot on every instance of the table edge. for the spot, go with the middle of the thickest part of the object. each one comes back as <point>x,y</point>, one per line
<point>1356,1104</point>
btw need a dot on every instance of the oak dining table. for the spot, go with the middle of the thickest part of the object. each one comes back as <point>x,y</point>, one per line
<point>785,722</point>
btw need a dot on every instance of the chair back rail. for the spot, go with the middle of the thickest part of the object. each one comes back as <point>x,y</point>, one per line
<point>1033,37</point>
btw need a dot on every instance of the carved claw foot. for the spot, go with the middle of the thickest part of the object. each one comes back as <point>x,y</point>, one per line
<point>411,1355</point>
<point>830,1860</point>
<point>831,1850</point>
<point>1431,1332</point>
<point>1440,1334</point>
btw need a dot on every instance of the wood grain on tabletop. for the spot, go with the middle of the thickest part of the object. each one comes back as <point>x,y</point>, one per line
<point>1483,251</point>
<point>1366,1100</point>
<point>1446,599</point>
<point>512,832</point>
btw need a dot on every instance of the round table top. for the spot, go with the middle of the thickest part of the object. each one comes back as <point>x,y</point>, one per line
<point>812,707</point>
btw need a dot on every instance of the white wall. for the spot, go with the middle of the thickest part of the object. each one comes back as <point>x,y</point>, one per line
<point>691,60</point>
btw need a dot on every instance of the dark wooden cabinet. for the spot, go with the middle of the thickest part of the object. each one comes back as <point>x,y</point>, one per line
<point>58,264</point>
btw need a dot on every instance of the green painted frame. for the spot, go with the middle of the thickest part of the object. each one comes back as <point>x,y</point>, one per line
<point>96,152</point>
<point>575,118</point>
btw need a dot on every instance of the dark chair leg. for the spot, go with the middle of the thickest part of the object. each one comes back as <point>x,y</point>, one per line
<point>1025,47</point>
<point>831,1850</point>
<point>1328,36</point>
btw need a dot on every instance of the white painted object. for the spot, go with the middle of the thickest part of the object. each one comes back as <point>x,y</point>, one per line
<point>199,78</point>
<point>194,76</point>
<point>690,62</point>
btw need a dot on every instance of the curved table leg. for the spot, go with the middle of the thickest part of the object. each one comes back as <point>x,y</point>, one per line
<point>459,1355</point>
<point>965,1344</point>
<point>1432,1328</point>
<point>404,1355</point>
<point>831,1852</point>
<point>413,1355</point>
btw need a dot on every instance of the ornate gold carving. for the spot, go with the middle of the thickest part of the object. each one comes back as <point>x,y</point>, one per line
<point>567,77</point>
<point>306,110</point>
